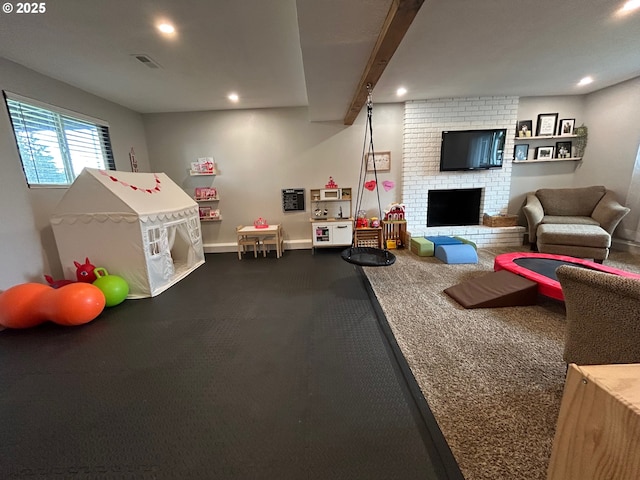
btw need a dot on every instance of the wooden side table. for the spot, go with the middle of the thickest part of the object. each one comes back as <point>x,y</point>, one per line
<point>598,432</point>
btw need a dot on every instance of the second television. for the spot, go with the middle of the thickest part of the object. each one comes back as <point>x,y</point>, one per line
<point>472,149</point>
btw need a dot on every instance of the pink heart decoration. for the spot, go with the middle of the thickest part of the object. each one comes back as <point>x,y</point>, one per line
<point>388,185</point>
<point>371,185</point>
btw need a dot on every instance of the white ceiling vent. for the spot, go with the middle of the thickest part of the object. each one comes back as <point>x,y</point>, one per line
<point>146,60</point>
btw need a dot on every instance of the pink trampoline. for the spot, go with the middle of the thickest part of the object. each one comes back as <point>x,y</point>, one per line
<point>541,268</point>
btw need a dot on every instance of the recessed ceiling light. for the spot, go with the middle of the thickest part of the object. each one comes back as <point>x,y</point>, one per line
<point>233,97</point>
<point>585,81</point>
<point>401,91</point>
<point>630,6</point>
<point>166,28</point>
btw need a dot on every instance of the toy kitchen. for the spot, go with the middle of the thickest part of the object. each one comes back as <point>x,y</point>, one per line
<point>331,216</point>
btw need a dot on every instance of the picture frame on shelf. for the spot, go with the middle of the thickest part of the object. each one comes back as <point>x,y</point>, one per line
<point>547,124</point>
<point>383,161</point>
<point>544,153</point>
<point>563,149</point>
<point>566,126</point>
<point>521,152</point>
<point>524,128</point>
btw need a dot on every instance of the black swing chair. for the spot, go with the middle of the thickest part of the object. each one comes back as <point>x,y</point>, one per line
<point>368,256</point>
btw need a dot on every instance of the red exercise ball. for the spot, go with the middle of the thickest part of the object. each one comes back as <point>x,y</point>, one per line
<point>17,305</point>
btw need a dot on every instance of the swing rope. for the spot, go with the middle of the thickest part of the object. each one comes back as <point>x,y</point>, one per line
<point>371,153</point>
<point>367,256</point>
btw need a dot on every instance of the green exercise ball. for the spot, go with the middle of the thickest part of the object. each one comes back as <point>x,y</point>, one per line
<point>114,288</point>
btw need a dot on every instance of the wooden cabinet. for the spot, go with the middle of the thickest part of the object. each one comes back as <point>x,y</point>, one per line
<point>332,233</point>
<point>598,431</point>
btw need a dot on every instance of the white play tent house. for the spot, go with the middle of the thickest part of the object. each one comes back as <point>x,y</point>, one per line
<point>140,226</point>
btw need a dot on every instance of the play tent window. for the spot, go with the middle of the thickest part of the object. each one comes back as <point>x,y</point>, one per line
<point>56,144</point>
<point>155,240</point>
<point>194,228</point>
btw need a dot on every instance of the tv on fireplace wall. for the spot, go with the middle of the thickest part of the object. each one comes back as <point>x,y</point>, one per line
<point>472,149</point>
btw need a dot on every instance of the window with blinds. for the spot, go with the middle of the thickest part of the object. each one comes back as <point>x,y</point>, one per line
<point>55,144</point>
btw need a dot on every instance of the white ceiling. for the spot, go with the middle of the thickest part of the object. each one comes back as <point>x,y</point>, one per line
<point>283,53</point>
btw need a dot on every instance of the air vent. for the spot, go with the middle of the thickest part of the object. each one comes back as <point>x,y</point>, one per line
<point>145,60</point>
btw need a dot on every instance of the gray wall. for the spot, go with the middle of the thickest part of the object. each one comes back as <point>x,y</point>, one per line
<point>526,177</point>
<point>28,247</point>
<point>613,118</point>
<point>261,152</point>
<point>614,137</point>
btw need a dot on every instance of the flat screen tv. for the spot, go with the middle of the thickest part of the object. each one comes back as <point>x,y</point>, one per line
<point>472,149</point>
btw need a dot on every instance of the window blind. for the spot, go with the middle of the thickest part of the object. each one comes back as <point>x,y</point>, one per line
<point>55,145</point>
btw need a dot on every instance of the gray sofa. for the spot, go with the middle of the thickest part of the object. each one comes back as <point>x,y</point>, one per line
<point>603,316</point>
<point>578,222</point>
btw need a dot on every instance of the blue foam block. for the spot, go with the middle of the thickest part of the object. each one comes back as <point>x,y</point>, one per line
<point>443,240</point>
<point>456,253</point>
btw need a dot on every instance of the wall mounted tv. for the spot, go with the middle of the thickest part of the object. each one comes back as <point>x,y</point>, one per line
<point>472,149</point>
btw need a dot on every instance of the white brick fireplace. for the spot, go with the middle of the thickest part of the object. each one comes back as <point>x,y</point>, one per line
<point>424,122</point>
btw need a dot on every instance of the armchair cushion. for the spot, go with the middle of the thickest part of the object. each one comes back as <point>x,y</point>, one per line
<point>534,213</point>
<point>603,316</point>
<point>608,213</point>
<point>568,234</point>
<point>569,219</point>
<point>570,201</point>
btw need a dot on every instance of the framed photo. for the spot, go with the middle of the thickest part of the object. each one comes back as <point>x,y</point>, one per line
<point>563,149</point>
<point>383,161</point>
<point>547,124</point>
<point>566,126</point>
<point>521,152</point>
<point>544,153</point>
<point>524,128</point>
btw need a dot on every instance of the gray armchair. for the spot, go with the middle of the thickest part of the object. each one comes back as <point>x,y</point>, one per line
<point>603,316</point>
<point>578,222</point>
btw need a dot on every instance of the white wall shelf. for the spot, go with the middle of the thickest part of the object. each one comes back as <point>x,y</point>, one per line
<point>208,212</point>
<point>544,137</point>
<point>572,159</point>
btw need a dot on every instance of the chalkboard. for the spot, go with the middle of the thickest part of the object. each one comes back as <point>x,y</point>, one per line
<point>293,199</point>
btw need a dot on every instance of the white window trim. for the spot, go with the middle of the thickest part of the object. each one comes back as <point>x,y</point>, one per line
<point>55,108</point>
<point>60,111</point>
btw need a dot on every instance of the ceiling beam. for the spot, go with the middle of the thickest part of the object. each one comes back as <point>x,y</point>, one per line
<point>401,14</point>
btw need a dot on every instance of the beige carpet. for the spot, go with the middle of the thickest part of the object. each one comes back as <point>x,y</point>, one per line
<point>492,377</point>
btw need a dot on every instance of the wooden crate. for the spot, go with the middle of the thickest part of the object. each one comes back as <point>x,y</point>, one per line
<point>500,220</point>
<point>598,431</point>
<point>395,231</point>
<point>368,237</point>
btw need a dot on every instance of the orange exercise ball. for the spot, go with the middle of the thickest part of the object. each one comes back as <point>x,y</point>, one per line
<point>73,304</point>
<point>17,305</point>
<point>30,304</point>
